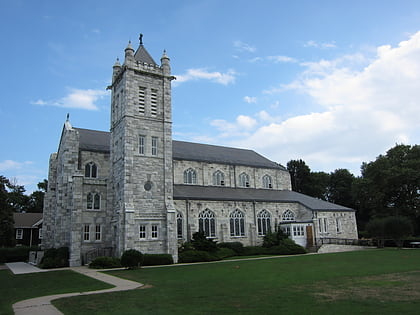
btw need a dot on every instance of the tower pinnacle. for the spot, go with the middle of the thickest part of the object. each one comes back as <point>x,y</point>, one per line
<point>141,39</point>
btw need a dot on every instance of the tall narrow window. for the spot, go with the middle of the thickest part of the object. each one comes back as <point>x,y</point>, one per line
<point>338,222</point>
<point>237,223</point>
<point>179,225</point>
<point>93,201</point>
<point>96,202</point>
<point>264,222</point>
<point>320,225</point>
<point>154,145</point>
<point>325,225</point>
<point>91,170</point>
<point>98,232</point>
<point>142,94</point>
<point>266,181</point>
<point>207,223</point>
<point>190,176</point>
<point>218,178</point>
<point>153,103</point>
<point>142,144</point>
<point>40,235</point>
<point>154,231</point>
<point>243,180</point>
<point>86,233</point>
<point>142,232</point>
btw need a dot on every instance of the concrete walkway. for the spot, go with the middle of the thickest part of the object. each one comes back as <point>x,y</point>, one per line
<point>42,305</point>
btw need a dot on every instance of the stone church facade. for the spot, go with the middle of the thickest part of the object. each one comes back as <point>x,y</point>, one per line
<point>136,187</point>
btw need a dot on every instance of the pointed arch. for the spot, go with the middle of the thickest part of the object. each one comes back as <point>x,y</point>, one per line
<point>207,223</point>
<point>237,223</point>
<point>91,170</point>
<point>243,180</point>
<point>264,222</point>
<point>190,176</point>
<point>288,215</point>
<point>267,181</point>
<point>218,178</point>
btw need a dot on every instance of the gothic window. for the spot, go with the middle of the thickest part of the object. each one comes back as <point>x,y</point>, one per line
<point>237,223</point>
<point>142,232</point>
<point>86,233</point>
<point>190,177</point>
<point>264,222</point>
<point>218,178</point>
<point>179,225</point>
<point>142,145</point>
<point>288,216</point>
<point>98,232</point>
<point>154,145</point>
<point>207,223</point>
<point>93,201</point>
<point>266,181</point>
<point>243,180</point>
<point>91,170</point>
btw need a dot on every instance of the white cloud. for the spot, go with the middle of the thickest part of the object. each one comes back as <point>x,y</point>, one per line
<point>367,105</point>
<point>202,74</point>
<point>250,99</point>
<point>322,45</point>
<point>76,98</point>
<point>280,58</point>
<point>241,46</point>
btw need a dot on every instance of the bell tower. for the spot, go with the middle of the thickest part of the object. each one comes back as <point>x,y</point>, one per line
<point>141,154</point>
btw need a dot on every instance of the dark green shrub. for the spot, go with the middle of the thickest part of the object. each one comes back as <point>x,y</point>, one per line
<point>105,262</point>
<point>237,247</point>
<point>254,250</point>
<point>157,259</point>
<point>202,243</point>
<point>132,259</point>
<point>13,254</point>
<point>55,258</point>
<point>225,252</point>
<point>274,239</point>
<point>190,256</point>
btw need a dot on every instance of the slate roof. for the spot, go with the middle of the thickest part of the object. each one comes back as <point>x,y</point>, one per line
<point>194,192</point>
<point>218,154</point>
<point>143,56</point>
<point>93,140</point>
<point>27,220</point>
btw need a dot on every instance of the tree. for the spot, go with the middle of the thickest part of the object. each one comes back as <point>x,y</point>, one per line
<point>340,188</point>
<point>6,215</point>
<point>319,183</point>
<point>299,175</point>
<point>390,185</point>
<point>393,227</point>
<point>36,199</point>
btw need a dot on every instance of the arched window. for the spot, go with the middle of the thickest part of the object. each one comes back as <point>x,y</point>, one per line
<point>207,223</point>
<point>237,223</point>
<point>243,180</point>
<point>266,181</point>
<point>218,178</point>
<point>264,222</point>
<point>91,170</point>
<point>288,216</point>
<point>93,201</point>
<point>179,225</point>
<point>190,176</point>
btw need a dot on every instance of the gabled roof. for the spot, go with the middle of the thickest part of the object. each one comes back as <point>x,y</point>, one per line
<point>218,154</point>
<point>94,140</point>
<point>194,192</point>
<point>143,56</point>
<point>27,220</point>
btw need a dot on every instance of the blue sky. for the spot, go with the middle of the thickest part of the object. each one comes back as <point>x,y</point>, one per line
<point>335,83</point>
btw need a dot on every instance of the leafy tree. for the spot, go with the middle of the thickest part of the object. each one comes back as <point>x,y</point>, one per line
<point>299,175</point>
<point>319,183</point>
<point>393,227</point>
<point>390,185</point>
<point>36,199</point>
<point>340,188</point>
<point>6,215</point>
<point>17,198</point>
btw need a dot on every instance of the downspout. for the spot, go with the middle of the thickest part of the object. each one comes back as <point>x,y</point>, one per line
<point>187,209</point>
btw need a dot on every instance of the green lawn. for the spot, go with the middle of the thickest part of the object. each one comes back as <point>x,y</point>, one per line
<point>368,282</point>
<point>14,288</point>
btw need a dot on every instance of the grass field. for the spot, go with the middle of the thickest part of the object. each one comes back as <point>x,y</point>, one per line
<point>14,288</point>
<point>364,282</point>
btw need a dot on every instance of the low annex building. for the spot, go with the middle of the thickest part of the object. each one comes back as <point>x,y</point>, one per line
<point>134,187</point>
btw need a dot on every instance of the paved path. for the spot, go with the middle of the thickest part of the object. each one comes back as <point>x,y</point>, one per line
<point>42,305</point>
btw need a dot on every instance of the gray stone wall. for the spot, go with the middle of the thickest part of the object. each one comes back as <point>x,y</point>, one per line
<point>205,171</point>
<point>335,224</point>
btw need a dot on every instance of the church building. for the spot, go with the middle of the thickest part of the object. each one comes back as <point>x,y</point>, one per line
<point>134,187</point>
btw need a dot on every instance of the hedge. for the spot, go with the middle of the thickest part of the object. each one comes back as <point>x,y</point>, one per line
<point>190,256</point>
<point>157,259</point>
<point>105,262</point>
